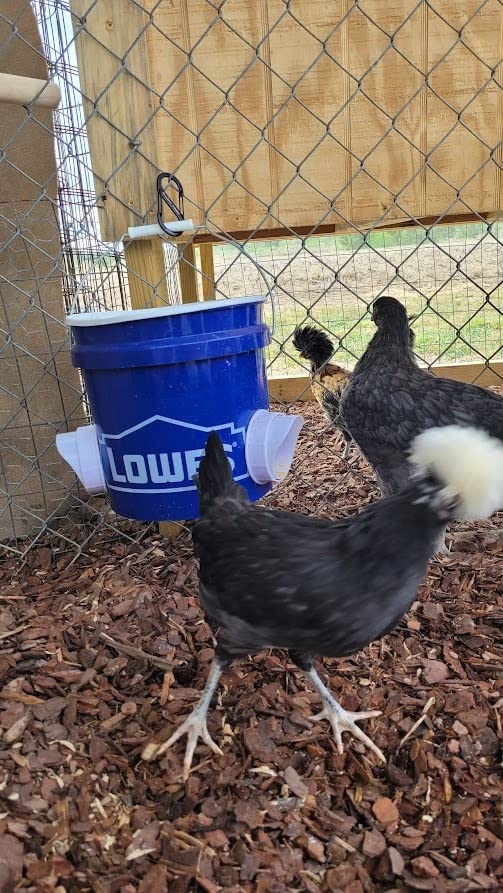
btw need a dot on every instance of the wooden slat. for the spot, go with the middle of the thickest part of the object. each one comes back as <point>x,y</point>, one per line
<point>114,74</point>
<point>476,373</point>
<point>188,275</point>
<point>207,271</point>
<point>331,229</point>
<point>148,285</point>
<point>296,388</point>
<point>270,130</point>
<point>170,529</point>
<point>346,113</point>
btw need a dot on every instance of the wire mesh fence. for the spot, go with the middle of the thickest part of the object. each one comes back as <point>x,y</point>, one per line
<point>336,153</point>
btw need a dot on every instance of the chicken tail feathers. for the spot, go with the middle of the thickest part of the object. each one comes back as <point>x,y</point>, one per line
<point>467,464</point>
<point>215,475</point>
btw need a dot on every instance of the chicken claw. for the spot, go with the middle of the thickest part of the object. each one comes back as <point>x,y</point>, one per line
<point>343,720</point>
<point>347,450</point>
<point>442,547</point>
<point>194,726</point>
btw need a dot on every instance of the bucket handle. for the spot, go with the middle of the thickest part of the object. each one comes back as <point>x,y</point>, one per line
<point>116,249</point>
<point>241,250</point>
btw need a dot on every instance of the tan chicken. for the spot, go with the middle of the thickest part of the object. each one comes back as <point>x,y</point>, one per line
<point>328,380</point>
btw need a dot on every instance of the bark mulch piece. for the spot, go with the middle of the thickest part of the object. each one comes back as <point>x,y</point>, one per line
<point>98,655</point>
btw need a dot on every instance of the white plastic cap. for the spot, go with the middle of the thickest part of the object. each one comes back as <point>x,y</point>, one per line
<point>81,450</point>
<point>270,444</point>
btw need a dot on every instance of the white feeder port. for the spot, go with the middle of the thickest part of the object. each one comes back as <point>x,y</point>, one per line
<point>270,444</point>
<point>271,439</point>
<point>81,450</point>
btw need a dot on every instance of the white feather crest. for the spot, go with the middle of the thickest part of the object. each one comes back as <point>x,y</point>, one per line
<point>468,462</point>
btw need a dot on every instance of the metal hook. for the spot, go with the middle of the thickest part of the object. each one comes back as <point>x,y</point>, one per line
<point>164,199</point>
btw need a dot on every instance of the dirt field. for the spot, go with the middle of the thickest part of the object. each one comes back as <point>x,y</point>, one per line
<point>452,280</point>
<point>459,277</point>
<point>100,654</point>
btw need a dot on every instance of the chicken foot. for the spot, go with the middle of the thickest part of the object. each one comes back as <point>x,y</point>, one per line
<point>347,449</point>
<point>442,547</point>
<point>343,720</point>
<point>194,726</point>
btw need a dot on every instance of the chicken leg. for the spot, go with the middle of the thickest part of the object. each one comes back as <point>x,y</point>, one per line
<point>342,720</point>
<point>347,449</point>
<point>442,547</point>
<point>194,726</point>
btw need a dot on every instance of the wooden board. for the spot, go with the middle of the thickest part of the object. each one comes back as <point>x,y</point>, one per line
<point>188,276</point>
<point>207,266</point>
<point>113,63</point>
<point>146,268</point>
<point>296,388</point>
<point>40,392</point>
<point>274,126</point>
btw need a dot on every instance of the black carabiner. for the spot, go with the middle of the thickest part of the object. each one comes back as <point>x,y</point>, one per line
<point>164,199</point>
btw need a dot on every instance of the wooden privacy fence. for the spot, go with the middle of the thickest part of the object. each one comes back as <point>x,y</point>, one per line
<point>290,118</point>
<point>286,117</point>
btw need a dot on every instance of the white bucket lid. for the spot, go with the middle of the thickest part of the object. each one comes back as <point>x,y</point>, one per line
<point>111,317</point>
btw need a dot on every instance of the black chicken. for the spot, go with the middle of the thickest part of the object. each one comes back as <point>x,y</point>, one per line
<point>323,588</point>
<point>390,400</point>
<point>328,380</point>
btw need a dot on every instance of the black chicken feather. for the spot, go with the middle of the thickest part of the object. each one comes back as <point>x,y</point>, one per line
<point>389,400</point>
<point>322,588</point>
<point>314,345</point>
<point>278,579</point>
<point>328,380</point>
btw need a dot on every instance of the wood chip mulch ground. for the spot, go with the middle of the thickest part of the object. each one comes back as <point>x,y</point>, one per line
<point>98,655</point>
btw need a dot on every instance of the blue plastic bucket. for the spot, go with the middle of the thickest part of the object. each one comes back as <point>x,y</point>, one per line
<point>158,381</point>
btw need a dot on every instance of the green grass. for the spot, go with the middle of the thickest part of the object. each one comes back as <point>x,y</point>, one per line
<point>306,282</point>
<point>436,340</point>
<point>458,326</point>
<point>379,239</point>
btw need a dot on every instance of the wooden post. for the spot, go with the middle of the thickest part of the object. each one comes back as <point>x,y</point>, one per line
<point>170,529</point>
<point>40,391</point>
<point>148,287</point>
<point>188,278</point>
<point>207,271</point>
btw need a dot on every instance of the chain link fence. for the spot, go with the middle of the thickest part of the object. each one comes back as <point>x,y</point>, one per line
<point>351,149</point>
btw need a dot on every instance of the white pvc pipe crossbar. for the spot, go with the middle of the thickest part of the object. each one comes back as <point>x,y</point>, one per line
<point>150,230</point>
<point>18,90</point>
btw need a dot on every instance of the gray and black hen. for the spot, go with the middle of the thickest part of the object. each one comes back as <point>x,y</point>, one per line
<point>389,400</point>
<point>321,588</point>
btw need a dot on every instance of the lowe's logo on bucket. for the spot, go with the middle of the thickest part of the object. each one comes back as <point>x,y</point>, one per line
<point>162,455</point>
